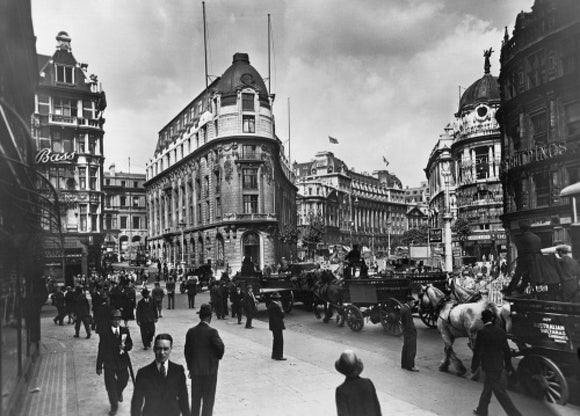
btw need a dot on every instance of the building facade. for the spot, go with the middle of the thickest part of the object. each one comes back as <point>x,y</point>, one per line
<point>354,207</point>
<point>476,154</point>
<point>219,187</point>
<point>124,211</point>
<point>68,128</point>
<point>540,119</point>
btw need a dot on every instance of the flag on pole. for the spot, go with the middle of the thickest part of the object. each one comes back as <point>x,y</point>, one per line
<point>332,140</point>
<point>386,161</point>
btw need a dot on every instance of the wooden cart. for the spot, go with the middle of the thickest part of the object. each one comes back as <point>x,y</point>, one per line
<point>265,288</point>
<point>439,280</point>
<point>547,335</point>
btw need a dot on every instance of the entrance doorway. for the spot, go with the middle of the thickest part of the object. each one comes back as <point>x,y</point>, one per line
<point>251,247</point>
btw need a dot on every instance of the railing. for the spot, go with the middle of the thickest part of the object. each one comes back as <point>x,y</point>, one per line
<point>88,122</point>
<point>250,156</point>
<point>252,217</point>
<point>56,118</point>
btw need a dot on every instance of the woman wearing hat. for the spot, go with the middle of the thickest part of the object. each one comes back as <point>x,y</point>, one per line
<point>356,396</point>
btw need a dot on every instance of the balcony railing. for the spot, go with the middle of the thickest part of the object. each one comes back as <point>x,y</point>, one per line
<point>250,217</point>
<point>58,119</point>
<point>250,156</point>
<point>88,122</point>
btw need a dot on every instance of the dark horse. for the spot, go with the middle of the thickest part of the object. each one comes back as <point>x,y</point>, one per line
<point>328,292</point>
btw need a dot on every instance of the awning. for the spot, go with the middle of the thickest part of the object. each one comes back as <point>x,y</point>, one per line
<point>571,190</point>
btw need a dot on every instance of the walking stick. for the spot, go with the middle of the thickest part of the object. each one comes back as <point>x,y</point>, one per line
<point>131,373</point>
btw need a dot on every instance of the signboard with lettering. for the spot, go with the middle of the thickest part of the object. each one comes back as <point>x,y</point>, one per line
<point>435,235</point>
<point>47,156</point>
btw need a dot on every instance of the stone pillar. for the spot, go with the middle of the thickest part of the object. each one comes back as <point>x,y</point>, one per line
<point>490,163</point>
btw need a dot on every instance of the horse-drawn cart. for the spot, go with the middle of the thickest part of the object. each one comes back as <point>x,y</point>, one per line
<point>547,334</point>
<point>417,281</point>
<point>266,288</point>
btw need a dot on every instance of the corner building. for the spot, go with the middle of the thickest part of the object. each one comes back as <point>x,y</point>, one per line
<point>219,186</point>
<point>540,119</point>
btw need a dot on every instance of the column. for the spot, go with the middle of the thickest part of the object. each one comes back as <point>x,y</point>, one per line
<point>490,162</point>
<point>473,168</point>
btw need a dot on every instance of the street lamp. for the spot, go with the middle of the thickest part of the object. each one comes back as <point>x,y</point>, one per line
<point>388,238</point>
<point>182,226</point>
<point>446,173</point>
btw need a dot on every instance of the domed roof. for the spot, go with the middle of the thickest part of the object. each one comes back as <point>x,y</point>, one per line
<point>485,89</point>
<point>241,75</point>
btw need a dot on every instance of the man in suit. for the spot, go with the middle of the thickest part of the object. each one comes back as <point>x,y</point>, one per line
<point>160,387</point>
<point>114,344</point>
<point>82,312</point>
<point>203,350</point>
<point>146,318</point>
<point>492,353</point>
<point>250,305</point>
<point>357,396</point>
<point>237,303</point>
<point>409,336</point>
<point>276,324</point>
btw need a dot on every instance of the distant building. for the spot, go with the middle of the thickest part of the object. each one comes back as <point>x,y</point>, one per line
<point>354,207</point>
<point>540,119</point>
<point>68,128</point>
<point>417,195</point>
<point>476,153</point>
<point>219,187</point>
<point>124,211</point>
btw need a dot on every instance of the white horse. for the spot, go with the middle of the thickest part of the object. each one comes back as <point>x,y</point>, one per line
<point>456,320</point>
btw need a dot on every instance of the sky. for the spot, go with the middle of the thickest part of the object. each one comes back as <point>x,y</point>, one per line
<point>380,76</point>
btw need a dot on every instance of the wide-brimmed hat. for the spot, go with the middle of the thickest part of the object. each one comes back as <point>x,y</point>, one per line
<point>564,248</point>
<point>204,311</point>
<point>116,313</point>
<point>349,364</point>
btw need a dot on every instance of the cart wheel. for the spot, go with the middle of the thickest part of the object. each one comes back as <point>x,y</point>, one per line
<point>541,378</point>
<point>287,302</point>
<point>428,316</point>
<point>391,317</point>
<point>354,318</point>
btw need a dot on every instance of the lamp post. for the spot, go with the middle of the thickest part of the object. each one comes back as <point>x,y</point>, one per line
<point>388,238</point>
<point>182,226</point>
<point>446,173</point>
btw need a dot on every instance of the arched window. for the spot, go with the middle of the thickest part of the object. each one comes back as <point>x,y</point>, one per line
<point>220,254</point>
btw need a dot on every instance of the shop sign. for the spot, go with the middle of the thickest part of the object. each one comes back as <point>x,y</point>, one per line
<point>47,156</point>
<point>435,235</point>
<point>479,237</point>
<point>537,154</point>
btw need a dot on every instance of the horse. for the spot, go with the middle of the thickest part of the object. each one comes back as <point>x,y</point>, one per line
<point>456,320</point>
<point>327,291</point>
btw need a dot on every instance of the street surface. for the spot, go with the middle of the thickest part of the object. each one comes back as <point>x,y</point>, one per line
<point>251,384</point>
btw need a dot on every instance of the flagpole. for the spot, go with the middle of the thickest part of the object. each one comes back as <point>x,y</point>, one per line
<point>289,148</point>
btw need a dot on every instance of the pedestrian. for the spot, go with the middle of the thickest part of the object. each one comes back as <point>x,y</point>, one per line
<point>492,352</point>
<point>409,336</point>
<point>217,301</point>
<point>69,301</point>
<point>224,288</point>
<point>191,288</point>
<point>237,304</point>
<point>170,287</point>
<point>82,312</point>
<point>276,324</point>
<point>102,311</point>
<point>356,396</point>
<point>146,318</point>
<point>203,350</point>
<point>158,294</point>
<point>160,387</point>
<point>129,302</point>
<point>58,300</point>
<point>114,344</point>
<point>250,306</point>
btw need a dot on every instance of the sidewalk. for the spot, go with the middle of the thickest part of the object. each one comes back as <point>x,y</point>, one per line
<point>249,382</point>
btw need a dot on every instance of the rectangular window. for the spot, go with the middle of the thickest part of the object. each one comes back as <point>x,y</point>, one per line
<point>83,217</point>
<point>93,179</point>
<point>108,223</point>
<point>136,222</point>
<point>207,212</point>
<point>573,119</point>
<point>123,221</point>
<point>122,184</point>
<point>250,178</point>
<point>249,124</point>
<point>250,204</point>
<point>64,107</point>
<point>206,186</point>
<point>135,201</point>
<point>82,178</point>
<point>540,128</point>
<point>92,145</point>
<point>481,162</point>
<point>108,201</point>
<point>248,102</point>
<point>123,201</point>
<point>88,111</point>
<point>81,144</point>
<point>65,74</point>
<point>249,152</point>
<point>199,217</point>
<point>218,208</point>
<point>542,183</point>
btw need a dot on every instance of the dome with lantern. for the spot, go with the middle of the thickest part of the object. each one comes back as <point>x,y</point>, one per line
<point>241,75</point>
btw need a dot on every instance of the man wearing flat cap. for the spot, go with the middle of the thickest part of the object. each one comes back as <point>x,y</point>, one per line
<point>114,344</point>
<point>146,318</point>
<point>203,350</point>
<point>356,396</point>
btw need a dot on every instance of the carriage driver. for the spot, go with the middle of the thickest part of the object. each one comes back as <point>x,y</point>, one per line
<point>352,259</point>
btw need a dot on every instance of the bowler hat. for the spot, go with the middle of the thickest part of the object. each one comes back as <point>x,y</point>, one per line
<point>204,311</point>
<point>487,316</point>
<point>563,248</point>
<point>116,313</point>
<point>145,291</point>
<point>349,364</point>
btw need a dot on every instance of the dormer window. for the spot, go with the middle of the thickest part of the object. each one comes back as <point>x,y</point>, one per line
<point>248,102</point>
<point>65,74</point>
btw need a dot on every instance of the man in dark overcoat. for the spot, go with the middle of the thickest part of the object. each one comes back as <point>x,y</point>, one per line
<point>82,312</point>
<point>191,288</point>
<point>409,336</point>
<point>237,303</point>
<point>160,387</point>
<point>250,305</point>
<point>146,318</point>
<point>276,324</point>
<point>114,344</point>
<point>69,300</point>
<point>59,301</point>
<point>203,350</point>
<point>493,354</point>
<point>357,396</point>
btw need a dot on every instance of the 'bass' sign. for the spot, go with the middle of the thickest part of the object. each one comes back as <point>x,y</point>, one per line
<point>47,156</point>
